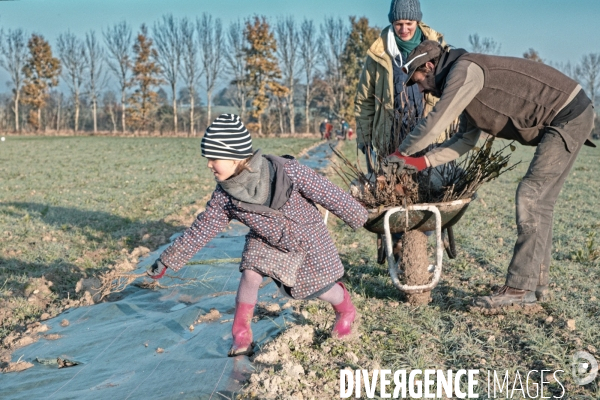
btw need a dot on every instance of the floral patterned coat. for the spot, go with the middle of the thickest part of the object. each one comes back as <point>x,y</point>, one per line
<point>291,244</point>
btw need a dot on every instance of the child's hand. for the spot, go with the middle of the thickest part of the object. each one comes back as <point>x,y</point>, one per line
<point>156,270</point>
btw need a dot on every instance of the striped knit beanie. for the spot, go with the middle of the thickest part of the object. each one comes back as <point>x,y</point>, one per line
<point>227,139</point>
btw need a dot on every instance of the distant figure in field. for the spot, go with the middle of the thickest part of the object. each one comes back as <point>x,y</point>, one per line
<point>323,128</point>
<point>328,130</point>
<point>344,126</point>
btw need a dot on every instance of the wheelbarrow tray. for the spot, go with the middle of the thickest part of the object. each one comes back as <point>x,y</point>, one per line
<point>424,221</point>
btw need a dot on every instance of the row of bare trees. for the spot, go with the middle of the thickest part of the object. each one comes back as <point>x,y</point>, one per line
<point>587,73</point>
<point>260,66</point>
<point>269,72</point>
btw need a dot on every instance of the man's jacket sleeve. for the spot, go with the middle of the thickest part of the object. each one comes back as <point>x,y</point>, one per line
<point>455,147</point>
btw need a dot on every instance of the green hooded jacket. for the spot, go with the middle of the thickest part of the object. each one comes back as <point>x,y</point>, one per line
<point>374,101</point>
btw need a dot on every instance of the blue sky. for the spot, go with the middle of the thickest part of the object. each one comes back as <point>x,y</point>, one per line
<point>561,30</point>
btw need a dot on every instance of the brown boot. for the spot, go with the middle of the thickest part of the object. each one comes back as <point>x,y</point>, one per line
<point>506,296</point>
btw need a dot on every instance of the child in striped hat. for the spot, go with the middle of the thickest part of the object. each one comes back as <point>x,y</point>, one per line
<point>288,241</point>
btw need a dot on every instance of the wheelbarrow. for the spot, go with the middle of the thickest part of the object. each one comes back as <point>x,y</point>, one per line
<point>425,217</point>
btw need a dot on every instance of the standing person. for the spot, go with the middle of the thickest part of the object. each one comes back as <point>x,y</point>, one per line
<point>328,130</point>
<point>384,107</point>
<point>288,241</point>
<point>345,127</point>
<point>323,127</point>
<point>515,99</point>
<point>381,91</point>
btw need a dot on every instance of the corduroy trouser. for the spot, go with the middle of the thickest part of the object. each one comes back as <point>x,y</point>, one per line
<point>535,199</point>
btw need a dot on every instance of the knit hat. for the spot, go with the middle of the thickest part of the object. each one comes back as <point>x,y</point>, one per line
<point>227,139</point>
<point>405,9</point>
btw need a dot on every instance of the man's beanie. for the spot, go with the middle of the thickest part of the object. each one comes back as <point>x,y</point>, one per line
<point>227,139</point>
<point>405,9</point>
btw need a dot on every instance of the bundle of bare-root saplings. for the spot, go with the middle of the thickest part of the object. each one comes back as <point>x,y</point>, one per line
<point>388,184</point>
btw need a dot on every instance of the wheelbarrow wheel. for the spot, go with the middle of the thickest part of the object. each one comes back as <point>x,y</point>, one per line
<point>381,254</point>
<point>449,243</point>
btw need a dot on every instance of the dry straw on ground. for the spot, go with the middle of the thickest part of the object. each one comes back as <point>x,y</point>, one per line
<point>115,281</point>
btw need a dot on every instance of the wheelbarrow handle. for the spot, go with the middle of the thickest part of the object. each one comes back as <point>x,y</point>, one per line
<point>393,265</point>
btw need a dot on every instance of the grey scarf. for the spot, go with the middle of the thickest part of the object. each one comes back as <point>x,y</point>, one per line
<point>252,184</point>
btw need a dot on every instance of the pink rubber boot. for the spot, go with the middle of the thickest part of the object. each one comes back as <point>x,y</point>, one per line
<point>345,313</point>
<point>241,330</point>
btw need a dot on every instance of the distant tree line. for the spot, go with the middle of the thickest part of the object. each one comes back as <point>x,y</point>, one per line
<point>281,76</point>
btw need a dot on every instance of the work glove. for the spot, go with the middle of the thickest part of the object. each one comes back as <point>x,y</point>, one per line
<point>419,163</point>
<point>156,270</point>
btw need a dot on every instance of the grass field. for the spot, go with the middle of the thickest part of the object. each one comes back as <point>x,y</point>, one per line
<point>448,334</point>
<point>70,207</point>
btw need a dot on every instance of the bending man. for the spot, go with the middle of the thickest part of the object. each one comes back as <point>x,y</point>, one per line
<point>515,99</point>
